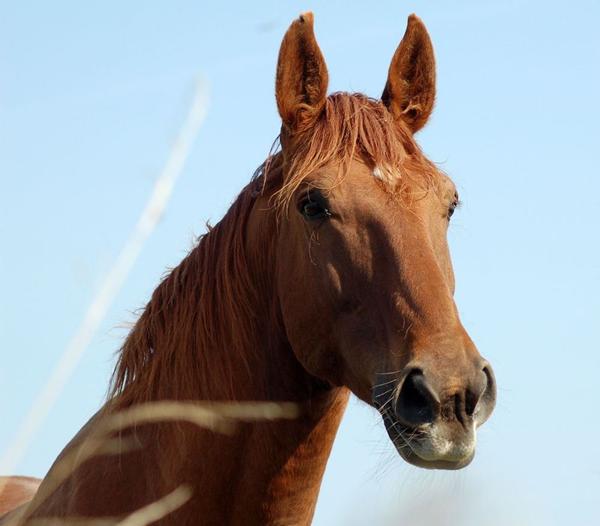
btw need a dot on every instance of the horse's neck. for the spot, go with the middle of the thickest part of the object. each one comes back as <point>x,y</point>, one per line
<point>276,474</point>
<point>264,472</point>
<point>268,472</point>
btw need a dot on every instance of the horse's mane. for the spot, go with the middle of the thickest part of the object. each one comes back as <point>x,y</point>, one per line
<point>194,332</point>
<point>202,306</point>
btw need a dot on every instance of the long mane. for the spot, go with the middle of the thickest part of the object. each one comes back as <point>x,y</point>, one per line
<point>191,313</point>
<point>194,332</point>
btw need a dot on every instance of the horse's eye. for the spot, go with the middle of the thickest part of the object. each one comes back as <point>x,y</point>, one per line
<point>314,206</point>
<point>453,206</point>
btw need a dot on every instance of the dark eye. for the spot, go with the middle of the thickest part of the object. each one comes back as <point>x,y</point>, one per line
<point>314,206</point>
<point>453,205</point>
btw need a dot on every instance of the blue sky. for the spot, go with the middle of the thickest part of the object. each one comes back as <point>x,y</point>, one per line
<point>91,97</point>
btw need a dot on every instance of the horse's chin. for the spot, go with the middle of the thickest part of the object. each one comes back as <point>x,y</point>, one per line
<point>413,458</point>
<point>427,447</point>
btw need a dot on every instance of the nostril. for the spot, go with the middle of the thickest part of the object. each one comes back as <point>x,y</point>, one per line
<point>475,391</point>
<point>416,403</point>
<point>487,397</point>
<point>489,393</point>
<point>488,374</point>
<point>471,401</point>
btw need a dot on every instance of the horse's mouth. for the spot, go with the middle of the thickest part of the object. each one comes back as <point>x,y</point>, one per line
<point>421,447</point>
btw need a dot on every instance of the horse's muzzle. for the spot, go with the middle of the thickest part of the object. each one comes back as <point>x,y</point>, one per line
<point>432,418</point>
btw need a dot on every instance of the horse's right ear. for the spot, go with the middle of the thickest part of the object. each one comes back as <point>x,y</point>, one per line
<point>301,83</point>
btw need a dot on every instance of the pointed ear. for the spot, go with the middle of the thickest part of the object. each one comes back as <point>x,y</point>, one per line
<point>301,83</point>
<point>410,89</point>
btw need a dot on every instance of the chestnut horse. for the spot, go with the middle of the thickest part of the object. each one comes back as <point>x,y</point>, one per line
<point>329,274</point>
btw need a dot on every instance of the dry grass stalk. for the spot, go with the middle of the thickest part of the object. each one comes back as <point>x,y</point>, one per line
<point>145,515</point>
<point>219,417</point>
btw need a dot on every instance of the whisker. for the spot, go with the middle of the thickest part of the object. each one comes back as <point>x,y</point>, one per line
<point>391,390</point>
<point>383,406</point>
<point>385,383</point>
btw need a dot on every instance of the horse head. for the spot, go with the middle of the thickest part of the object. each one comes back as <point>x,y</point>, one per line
<point>363,271</point>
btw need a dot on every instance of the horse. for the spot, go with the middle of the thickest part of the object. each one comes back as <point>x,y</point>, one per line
<point>330,274</point>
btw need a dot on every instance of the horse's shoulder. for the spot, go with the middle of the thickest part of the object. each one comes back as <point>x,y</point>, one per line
<point>16,491</point>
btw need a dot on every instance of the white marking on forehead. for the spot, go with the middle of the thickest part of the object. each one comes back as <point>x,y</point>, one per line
<point>385,174</point>
<point>377,173</point>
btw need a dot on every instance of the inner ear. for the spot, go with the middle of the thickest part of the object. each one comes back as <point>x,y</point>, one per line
<point>302,79</point>
<point>409,92</point>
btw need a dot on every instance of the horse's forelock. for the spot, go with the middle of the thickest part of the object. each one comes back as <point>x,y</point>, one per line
<point>352,126</point>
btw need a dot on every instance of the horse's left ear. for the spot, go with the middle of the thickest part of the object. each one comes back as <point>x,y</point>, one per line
<point>301,83</point>
<point>409,93</point>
